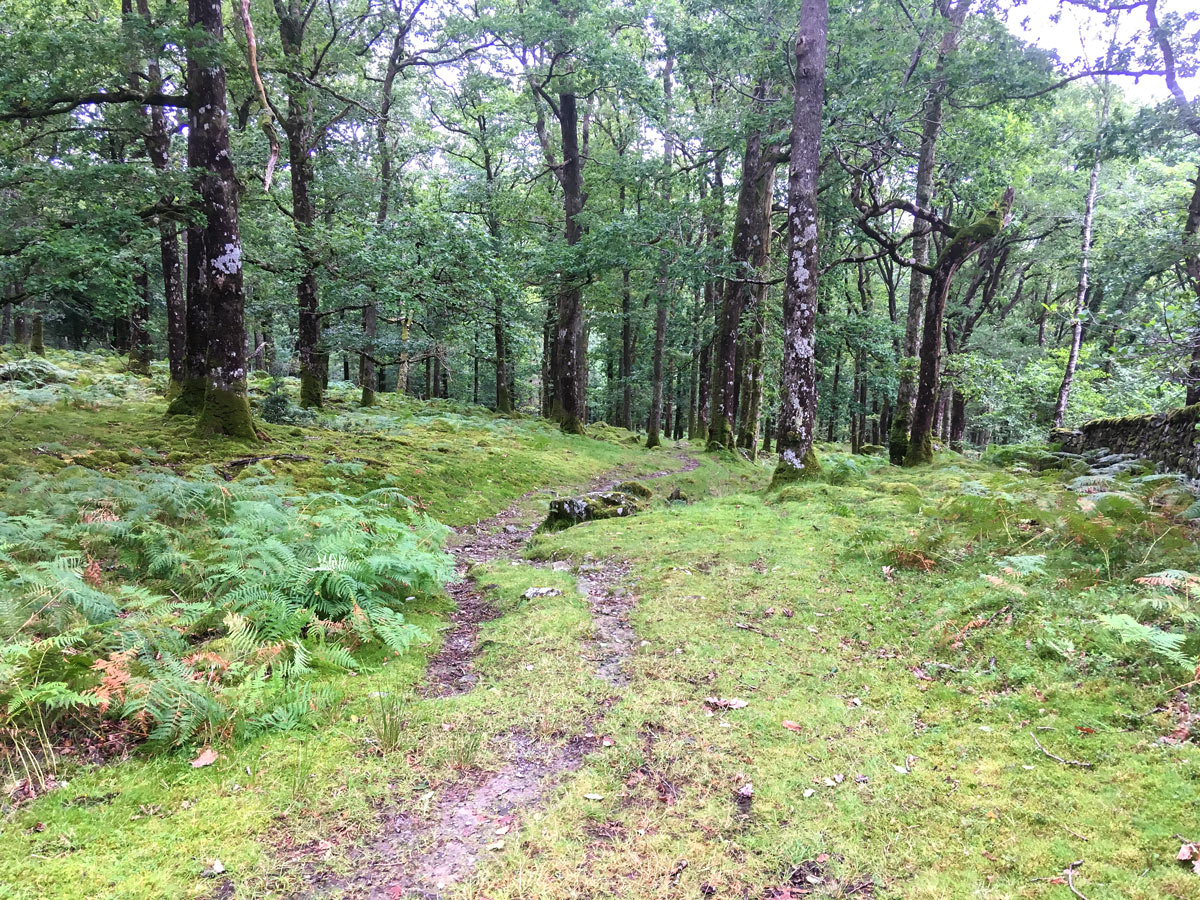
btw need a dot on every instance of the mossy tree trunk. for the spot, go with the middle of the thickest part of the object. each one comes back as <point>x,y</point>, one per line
<point>226,409</point>
<point>1191,120</point>
<point>567,364</point>
<point>751,235</point>
<point>157,141</point>
<point>962,245</point>
<point>798,406</point>
<point>37,332</point>
<point>712,290</point>
<point>298,126</point>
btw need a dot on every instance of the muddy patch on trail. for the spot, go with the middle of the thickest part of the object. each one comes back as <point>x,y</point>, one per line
<point>610,603</point>
<point>451,669</point>
<point>437,843</point>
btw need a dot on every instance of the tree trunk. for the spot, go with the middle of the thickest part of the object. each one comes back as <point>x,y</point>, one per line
<point>831,432</point>
<point>751,236</point>
<point>367,368</point>
<point>158,149</point>
<point>626,367</point>
<point>958,419</point>
<point>37,332</point>
<point>298,126</point>
<point>931,114</point>
<point>226,408</point>
<point>139,320</point>
<point>964,242</point>
<point>663,294</point>
<point>570,351</point>
<point>656,399</point>
<point>798,407</point>
<point>1085,255</point>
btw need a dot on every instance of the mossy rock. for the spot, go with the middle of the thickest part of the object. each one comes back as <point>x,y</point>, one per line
<point>589,508</point>
<point>872,450</point>
<point>636,488</point>
<point>33,372</point>
<point>902,488</point>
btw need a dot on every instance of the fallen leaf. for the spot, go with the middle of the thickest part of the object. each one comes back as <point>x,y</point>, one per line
<point>593,796</point>
<point>809,792</point>
<point>207,757</point>
<point>792,726</point>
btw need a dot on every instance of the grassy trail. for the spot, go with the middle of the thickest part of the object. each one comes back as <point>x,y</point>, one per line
<point>425,852</point>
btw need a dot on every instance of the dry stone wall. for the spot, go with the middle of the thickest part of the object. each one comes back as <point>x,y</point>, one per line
<point>1171,439</point>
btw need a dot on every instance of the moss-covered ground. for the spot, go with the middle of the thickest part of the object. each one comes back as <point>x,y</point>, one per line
<point>903,641</point>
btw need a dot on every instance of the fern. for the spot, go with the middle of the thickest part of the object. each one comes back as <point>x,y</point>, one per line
<point>219,595</point>
<point>1164,644</point>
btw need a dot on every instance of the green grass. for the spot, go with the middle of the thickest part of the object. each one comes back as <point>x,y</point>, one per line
<point>150,826</point>
<point>980,812</point>
<point>913,692</point>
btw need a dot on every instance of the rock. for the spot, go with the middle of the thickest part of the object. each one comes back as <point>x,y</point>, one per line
<point>586,508</point>
<point>534,592</point>
<point>636,488</point>
<point>511,529</point>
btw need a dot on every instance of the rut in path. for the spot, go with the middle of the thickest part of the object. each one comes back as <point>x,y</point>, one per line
<point>419,853</point>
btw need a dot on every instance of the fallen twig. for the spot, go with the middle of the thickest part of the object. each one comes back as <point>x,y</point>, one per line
<point>1065,762</point>
<point>746,626</point>
<point>1071,878</point>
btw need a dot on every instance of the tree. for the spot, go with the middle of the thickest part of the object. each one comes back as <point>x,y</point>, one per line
<point>1085,256</point>
<point>963,243</point>
<point>798,409</point>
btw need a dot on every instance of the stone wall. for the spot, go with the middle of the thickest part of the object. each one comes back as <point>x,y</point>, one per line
<point>1171,439</point>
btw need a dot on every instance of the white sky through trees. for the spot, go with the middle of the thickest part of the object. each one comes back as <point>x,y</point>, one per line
<point>1080,34</point>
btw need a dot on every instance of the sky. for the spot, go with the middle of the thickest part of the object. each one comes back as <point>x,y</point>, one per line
<point>1080,34</point>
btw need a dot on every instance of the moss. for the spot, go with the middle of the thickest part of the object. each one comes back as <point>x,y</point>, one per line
<point>720,435</point>
<point>188,398</point>
<point>636,488</point>
<point>572,425</point>
<point>920,453</point>
<point>311,388</point>
<point>902,488</point>
<point>570,511</point>
<point>786,473</point>
<point>226,413</point>
<point>898,439</point>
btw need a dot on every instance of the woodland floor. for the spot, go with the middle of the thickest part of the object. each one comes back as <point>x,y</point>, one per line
<point>840,690</point>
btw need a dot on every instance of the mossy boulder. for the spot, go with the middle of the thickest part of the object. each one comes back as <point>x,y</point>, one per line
<point>872,450</point>
<point>570,511</point>
<point>900,488</point>
<point>636,488</point>
<point>33,372</point>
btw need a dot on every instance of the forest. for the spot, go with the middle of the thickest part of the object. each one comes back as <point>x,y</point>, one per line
<point>560,449</point>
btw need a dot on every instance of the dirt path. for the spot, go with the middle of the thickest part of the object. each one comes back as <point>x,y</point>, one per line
<point>419,852</point>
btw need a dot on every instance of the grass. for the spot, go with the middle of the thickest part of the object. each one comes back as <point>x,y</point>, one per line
<point>152,825</point>
<point>910,761</point>
<point>889,624</point>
